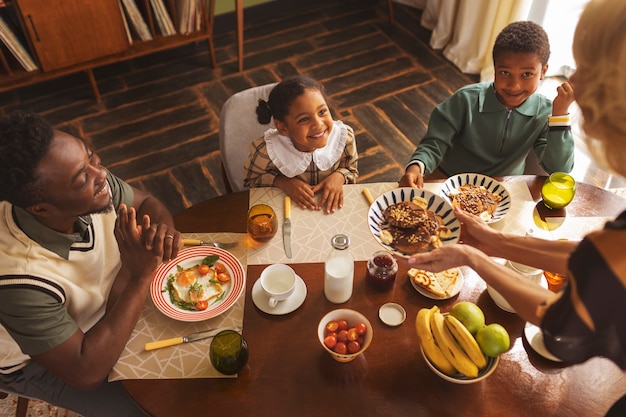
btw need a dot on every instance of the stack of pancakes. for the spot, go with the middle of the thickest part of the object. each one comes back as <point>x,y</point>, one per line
<point>411,228</point>
<point>476,200</point>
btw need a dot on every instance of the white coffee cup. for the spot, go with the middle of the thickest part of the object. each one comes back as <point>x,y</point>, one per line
<point>529,272</point>
<point>278,282</point>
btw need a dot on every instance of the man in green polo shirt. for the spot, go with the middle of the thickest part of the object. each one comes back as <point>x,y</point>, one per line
<point>78,249</point>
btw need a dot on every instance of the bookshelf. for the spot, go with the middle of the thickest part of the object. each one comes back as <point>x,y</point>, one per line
<point>78,36</point>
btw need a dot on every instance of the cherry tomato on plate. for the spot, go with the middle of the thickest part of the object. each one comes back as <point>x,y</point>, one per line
<point>223,277</point>
<point>202,305</point>
<point>219,268</point>
<point>203,269</point>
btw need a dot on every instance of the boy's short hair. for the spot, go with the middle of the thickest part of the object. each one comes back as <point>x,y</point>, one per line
<point>523,37</point>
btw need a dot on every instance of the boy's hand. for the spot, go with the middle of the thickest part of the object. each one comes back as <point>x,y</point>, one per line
<point>412,177</point>
<point>564,98</point>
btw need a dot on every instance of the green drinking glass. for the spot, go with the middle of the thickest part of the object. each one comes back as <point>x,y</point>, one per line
<point>558,190</point>
<point>228,352</point>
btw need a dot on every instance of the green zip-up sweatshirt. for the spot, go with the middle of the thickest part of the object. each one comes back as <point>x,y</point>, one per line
<point>472,131</point>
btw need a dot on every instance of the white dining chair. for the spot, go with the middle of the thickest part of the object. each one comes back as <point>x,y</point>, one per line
<point>238,127</point>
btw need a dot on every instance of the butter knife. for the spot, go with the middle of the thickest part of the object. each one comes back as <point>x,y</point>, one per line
<point>287,227</point>
<point>189,338</point>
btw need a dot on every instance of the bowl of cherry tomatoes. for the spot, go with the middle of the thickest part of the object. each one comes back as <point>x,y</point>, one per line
<point>344,334</point>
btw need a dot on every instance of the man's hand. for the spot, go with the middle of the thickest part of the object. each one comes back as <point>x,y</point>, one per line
<point>162,239</point>
<point>139,259</point>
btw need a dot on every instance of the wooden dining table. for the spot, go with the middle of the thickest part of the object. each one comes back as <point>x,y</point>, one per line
<point>289,373</point>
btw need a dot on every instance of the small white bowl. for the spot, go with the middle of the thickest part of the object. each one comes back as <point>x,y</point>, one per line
<point>352,317</point>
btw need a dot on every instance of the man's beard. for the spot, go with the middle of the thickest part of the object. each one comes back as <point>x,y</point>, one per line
<point>104,210</point>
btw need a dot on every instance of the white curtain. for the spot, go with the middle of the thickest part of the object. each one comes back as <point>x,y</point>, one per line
<point>466,29</point>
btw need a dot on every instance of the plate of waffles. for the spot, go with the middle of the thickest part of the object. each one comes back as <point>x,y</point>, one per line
<point>406,221</point>
<point>437,286</point>
<point>477,194</point>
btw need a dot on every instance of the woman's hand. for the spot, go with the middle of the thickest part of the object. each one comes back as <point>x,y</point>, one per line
<point>442,258</point>
<point>331,190</point>
<point>476,232</point>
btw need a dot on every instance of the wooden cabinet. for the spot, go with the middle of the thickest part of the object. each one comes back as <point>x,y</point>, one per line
<point>73,31</point>
<point>70,36</point>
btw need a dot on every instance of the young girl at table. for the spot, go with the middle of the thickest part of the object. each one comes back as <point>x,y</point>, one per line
<point>586,318</point>
<point>491,127</point>
<point>307,153</point>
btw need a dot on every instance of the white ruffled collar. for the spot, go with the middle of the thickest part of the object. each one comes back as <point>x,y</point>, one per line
<point>292,162</point>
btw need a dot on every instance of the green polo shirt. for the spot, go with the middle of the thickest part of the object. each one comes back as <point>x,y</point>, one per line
<point>472,131</point>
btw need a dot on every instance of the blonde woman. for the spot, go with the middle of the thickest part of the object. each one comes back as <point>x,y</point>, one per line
<point>583,320</point>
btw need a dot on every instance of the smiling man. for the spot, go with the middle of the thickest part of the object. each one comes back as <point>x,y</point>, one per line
<point>489,128</point>
<point>78,249</point>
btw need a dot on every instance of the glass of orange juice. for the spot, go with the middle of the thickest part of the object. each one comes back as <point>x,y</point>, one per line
<point>555,281</point>
<point>262,223</point>
<point>558,190</point>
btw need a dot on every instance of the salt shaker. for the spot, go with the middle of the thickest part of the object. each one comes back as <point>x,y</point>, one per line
<point>339,271</point>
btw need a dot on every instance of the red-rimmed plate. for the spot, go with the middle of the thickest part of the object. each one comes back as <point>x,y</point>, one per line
<point>187,258</point>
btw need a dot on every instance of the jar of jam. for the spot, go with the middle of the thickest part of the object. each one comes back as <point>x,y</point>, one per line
<point>382,269</point>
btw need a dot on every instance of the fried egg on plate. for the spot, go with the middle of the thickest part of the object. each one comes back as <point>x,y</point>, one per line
<point>191,287</point>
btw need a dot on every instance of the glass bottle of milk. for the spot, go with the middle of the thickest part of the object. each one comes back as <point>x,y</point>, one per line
<point>339,271</point>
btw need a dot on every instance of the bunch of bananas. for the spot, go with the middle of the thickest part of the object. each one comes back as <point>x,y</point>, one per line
<point>448,344</point>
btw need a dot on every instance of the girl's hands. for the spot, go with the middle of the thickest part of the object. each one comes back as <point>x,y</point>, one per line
<point>331,190</point>
<point>301,193</point>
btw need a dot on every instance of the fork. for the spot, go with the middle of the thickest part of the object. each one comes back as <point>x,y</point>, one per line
<point>197,242</point>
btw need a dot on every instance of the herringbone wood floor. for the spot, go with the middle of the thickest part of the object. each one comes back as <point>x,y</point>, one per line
<point>157,124</point>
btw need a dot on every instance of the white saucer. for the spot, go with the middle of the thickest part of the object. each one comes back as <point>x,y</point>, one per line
<point>283,307</point>
<point>534,336</point>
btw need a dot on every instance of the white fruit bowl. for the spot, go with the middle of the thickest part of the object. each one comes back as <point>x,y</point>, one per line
<point>458,378</point>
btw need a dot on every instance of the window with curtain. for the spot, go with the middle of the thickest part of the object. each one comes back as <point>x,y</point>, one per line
<point>466,30</point>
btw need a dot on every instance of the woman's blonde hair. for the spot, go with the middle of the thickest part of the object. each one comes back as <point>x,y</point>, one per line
<point>600,80</point>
